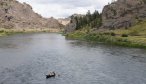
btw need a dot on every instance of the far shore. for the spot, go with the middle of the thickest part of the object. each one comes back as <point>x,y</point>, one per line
<point>4,31</point>
<point>109,38</point>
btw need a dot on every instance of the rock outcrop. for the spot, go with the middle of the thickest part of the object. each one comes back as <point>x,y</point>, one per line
<point>123,13</point>
<point>17,15</point>
<point>64,21</point>
<point>71,26</point>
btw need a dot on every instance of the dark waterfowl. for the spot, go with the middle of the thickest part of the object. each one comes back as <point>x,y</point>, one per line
<point>50,75</point>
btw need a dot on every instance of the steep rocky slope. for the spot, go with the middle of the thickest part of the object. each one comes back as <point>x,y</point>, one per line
<point>16,15</point>
<point>123,13</point>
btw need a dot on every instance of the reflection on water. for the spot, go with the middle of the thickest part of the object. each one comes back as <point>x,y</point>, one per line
<point>26,58</point>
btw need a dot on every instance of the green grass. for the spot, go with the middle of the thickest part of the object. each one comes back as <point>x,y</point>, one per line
<point>14,31</point>
<point>137,30</point>
<point>114,40</point>
<point>132,37</point>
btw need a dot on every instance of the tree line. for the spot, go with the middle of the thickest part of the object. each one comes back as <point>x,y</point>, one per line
<point>93,20</point>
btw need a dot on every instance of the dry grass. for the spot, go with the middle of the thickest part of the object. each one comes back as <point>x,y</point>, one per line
<point>12,31</point>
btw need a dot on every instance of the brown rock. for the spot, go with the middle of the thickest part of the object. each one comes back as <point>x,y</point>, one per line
<point>123,13</point>
<point>16,15</point>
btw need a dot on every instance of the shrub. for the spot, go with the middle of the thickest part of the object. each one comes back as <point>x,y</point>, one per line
<point>124,35</point>
<point>107,33</point>
<point>1,31</point>
<point>113,34</point>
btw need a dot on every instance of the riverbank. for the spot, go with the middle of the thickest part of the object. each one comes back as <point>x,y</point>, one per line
<point>121,37</point>
<point>4,32</point>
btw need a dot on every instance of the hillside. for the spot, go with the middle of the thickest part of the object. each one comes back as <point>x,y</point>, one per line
<point>16,15</point>
<point>123,14</point>
<point>123,23</point>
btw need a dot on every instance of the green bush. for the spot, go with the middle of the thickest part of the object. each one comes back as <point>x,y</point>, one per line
<point>2,31</point>
<point>124,35</point>
<point>113,34</point>
<point>106,33</point>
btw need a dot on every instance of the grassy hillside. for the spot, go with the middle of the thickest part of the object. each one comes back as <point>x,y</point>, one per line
<point>119,24</point>
<point>132,37</point>
<point>137,30</point>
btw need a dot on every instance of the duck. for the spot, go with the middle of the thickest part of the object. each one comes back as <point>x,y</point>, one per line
<point>50,75</point>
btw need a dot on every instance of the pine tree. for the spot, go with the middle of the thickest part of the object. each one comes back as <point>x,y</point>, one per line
<point>88,21</point>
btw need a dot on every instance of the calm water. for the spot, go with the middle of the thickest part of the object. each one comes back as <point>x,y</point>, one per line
<point>26,58</point>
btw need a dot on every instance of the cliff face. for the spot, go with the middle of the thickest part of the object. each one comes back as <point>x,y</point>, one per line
<point>71,26</point>
<point>64,21</point>
<point>123,13</point>
<point>16,15</point>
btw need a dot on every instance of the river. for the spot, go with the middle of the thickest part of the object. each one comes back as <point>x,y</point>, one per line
<point>26,58</point>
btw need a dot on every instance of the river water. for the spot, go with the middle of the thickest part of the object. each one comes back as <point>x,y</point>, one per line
<point>26,58</point>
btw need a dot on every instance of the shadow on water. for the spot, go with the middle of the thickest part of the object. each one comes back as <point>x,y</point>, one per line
<point>27,58</point>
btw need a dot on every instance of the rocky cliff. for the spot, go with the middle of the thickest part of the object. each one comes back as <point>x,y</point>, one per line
<point>123,13</point>
<point>72,24</point>
<point>16,15</point>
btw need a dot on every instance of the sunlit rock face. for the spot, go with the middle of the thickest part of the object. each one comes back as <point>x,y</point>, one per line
<point>123,13</point>
<point>17,15</point>
<point>64,21</point>
<point>71,26</point>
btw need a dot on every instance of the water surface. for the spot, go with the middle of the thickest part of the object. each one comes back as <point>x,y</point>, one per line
<point>26,58</point>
